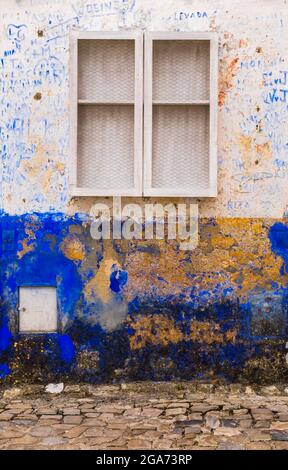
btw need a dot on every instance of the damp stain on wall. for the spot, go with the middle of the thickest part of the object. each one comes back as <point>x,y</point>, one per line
<point>136,307</point>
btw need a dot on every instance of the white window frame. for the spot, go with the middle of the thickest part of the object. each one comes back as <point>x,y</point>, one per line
<point>75,190</point>
<point>148,190</point>
<point>143,137</point>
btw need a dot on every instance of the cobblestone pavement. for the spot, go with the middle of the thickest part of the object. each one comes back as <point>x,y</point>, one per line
<point>145,416</point>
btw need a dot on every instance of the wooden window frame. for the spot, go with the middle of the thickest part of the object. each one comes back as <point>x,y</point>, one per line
<point>148,190</point>
<point>75,36</point>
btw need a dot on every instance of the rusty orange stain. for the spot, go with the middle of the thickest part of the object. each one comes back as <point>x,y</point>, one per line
<point>228,71</point>
<point>27,243</point>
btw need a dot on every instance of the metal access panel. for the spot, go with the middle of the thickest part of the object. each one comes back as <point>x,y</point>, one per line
<point>37,309</point>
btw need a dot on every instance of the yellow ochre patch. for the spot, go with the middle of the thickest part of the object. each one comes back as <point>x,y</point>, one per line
<point>73,248</point>
<point>159,330</point>
<point>99,286</point>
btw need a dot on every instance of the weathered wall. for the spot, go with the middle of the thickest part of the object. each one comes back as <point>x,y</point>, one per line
<point>146,309</point>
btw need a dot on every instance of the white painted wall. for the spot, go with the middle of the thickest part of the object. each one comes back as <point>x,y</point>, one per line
<point>253,114</point>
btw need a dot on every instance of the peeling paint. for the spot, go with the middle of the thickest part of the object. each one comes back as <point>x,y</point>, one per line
<point>146,309</point>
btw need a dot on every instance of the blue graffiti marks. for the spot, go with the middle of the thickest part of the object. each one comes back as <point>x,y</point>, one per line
<point>189,15</point>
<point>16,32</point>
<point>4,370</point>
<point>61,29</point>
<point>51,69</point>
<point>105,8</point>
<point>118,279</point>
<point>278,87</point>
<point>67,350</point>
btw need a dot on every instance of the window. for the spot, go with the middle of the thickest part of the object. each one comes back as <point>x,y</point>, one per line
<point>107,101</point>
<point>180,114</point>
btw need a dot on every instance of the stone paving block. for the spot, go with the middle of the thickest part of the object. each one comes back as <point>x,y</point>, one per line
<point>229,432</point>
<point>279,435</point>
<point>74,432</point>
<point>47,411</point>
<point>230,446</point>
<point>151,413</point>
<point>73,419</point>
<point>175,411</point>
<point>256,435</point>
<point>71,412</point>
<point>279,426</point>
<point>139,444</point>
<point>51,417</point>
<point>281,445</point>
<point>220,420</point>
<point>41,431</point>
<point>283,417</point>
<point>6,416</point>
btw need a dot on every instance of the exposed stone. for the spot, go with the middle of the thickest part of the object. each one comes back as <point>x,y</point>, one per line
<point>245,423</point>
<point>47,411</point>
<point>42,431</point>
<point>212,422</point>
<point>229,432</point>
<point>206,441</point>
<point>240,412</point>
<point>72,419</point>
<point>192,430</point>
<point>10,434</point>
<point>282,426</point>
<point>262,425</point>
<point>178,405</point>
<point>139,444</point>
<point>257,446</point>
<point>151,413</point>
<point>75,432</point>
<point>71,411</point>
<point>279,436</point>
<point>51,417</point>
<point>280,445</point>
<point>255,435</point>
<point>229,423</point>
<point>175,411</point>
<point>53,441</point>
<point>230,446</point>
<point>133,412</point>
<point>5,416</point>
<point>261,414</point>
<point>109,421</point>
<point>203,408</point>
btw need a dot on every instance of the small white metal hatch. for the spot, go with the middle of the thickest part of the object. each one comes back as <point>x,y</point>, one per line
<point>37,309</point>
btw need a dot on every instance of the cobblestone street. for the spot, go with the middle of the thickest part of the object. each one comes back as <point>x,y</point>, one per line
<point>145,416</point>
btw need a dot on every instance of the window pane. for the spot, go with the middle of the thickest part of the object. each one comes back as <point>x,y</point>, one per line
<point>181,70</point>
<point>106,146</point>
<point>106,70</point>
<point>180,147</point>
